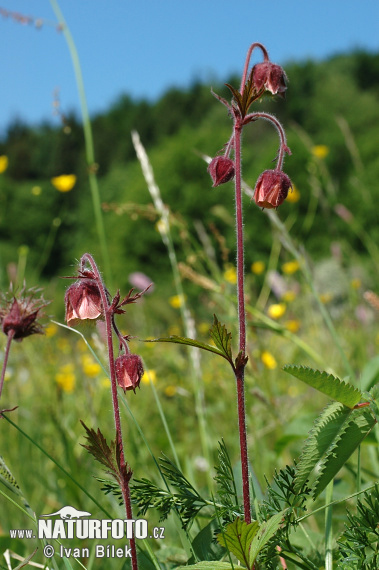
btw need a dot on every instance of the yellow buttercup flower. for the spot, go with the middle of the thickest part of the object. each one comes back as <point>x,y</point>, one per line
<point>290,267</point>
<point>293,195</point>
<point>3,163</point>
<point>320,151</point>
<point>64,182</point>
<point>149,376</point>
<point>277,310</point>
<point>258,267</point>
<point>177,301</point>
<point>292,325</point>
<point>288,296</point>
<point>51,330</point>
<point>65,378</point>
<point>170,391</point>
<point>90,367</point>
<point>230,275</point>
<point>326,298</point>
<point>356,283</point>
<point>174,330</point>
<point>268,360</point>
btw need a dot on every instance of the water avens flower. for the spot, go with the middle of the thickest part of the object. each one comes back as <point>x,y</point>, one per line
<point>19,316</point>
<point>83,301</point>
<point>129,371</point>
<point>271,77</point>
<point>271,189</point>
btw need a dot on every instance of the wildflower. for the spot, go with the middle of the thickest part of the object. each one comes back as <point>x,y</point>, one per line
<point>320,151</point>
<point>258,267</point>
<point>64,182</point>
<point>268,360</point>
<point>290,267</point>
<point>177,301</point>
<point>65,378</point>
<point>326,298</point>
<point>230,275</point>
<point>3,163</point>
<point>150,376</point>
<point>36,190</point>
<point>289,296</point>
<point>141,281</point>
<point>271,77</point>
<point>292,325</point>
<point>19,316</point>
<point>221,170</point>
<point>170,391</point>
<point>51,330</point>
<point>293,196</point>
<point>356,283</point>
<point>129,371</point>
<point>90,367</point>
<point>271,189</point>
<point>276,310</point>
<point>83,301</point>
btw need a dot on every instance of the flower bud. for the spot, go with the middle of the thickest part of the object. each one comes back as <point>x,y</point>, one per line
<point>19,316</point>
<point>270,76</point>
<point>221,170</point>
<point>271,189</point>
<point>83,301</point>
<point>129,371</point>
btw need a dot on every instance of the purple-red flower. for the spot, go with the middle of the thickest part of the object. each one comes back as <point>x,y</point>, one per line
<point>271,189</point>
<point>19,316</point>
<point>221,170</point>
<point>129,371</point>
<point>83,301</point>
<point>270,76</point>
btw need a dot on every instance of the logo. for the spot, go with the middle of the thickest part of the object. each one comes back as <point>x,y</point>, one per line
<point>69,513</point>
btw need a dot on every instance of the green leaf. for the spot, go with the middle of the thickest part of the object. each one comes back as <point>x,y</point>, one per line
<point>321,437</point>
<point>357,426</point>
<point>265,532</point>
<point>189,342</point>
<point>222,339</point>
<point>327,384</point>
<point>208,566</point>
<point>238,537</point>
<point>204,545</point>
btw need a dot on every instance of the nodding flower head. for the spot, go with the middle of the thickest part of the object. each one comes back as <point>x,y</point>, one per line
<point>129,371</point>
<point>271,189</point>
<point>221,170</point>
<point>19,315</point>
<point>270,76</point>
<point>83,301</point>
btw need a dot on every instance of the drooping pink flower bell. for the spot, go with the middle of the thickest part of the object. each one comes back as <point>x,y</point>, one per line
<point>271,189</point>
<point>83,301</point>
<point>129,371</point>
<point>270,76</point>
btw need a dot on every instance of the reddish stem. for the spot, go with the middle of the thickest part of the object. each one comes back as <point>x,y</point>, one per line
<point>247,61</point>
<point>6,355</point>
<point>242,323</point>
<point>116,410</point>
<point>283,148</point>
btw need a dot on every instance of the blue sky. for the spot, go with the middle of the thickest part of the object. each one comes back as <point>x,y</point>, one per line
<point>143,47</point>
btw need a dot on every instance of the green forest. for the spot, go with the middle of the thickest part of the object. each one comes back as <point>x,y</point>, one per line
<point>330,105</point>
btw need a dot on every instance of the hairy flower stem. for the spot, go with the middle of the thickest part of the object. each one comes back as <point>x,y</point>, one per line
<point>116,410</point>
<point>240,377</point>
<point>10,336</point>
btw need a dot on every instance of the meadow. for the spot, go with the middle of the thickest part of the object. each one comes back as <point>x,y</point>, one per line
<point>311,303</point>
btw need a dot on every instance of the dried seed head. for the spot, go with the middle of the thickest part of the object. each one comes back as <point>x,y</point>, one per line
<point>221,170</point>
<point>20,315</point>
<point>270,76</point>
<point>83,301</point>
<point>129,371</point>
<point>271,189</point>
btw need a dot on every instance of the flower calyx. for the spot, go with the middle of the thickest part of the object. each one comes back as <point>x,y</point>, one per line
<point>129,371</point>
<point>116,304</point>
<point>221,170</point>
<point>271,189</point>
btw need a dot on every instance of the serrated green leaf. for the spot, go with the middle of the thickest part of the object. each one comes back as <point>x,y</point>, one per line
<point>357,427</point>
<point>222,339</point>
<point>190,342</point>
<point>265,532</point>
<point>237,537</point>
<point>208,566</point>
<point>327,384</point>
<point>324,431</point>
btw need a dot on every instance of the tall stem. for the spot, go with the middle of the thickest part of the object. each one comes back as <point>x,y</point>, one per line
<point>116,410</point>
<point>6,355</point>
<point>240,370</point>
